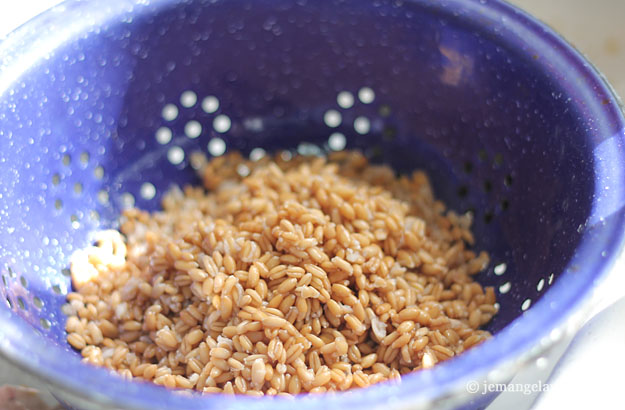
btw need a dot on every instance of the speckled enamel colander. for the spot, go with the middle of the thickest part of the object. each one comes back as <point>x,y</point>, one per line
<point>101,103</point>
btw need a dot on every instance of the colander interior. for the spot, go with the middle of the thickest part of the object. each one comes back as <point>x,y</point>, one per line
<point>117,97</point>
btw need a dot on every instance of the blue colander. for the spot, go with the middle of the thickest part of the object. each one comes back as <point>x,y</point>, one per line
<point>102,102</point>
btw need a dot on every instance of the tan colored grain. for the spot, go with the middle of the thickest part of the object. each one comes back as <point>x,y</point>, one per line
<point>307,275</point>
<point>76,340</point>
<point>258,373</point>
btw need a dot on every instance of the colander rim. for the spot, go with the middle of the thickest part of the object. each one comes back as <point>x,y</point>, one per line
<point>528,335</point>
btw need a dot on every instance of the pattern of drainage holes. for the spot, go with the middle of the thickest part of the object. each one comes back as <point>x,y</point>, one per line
<point>193,129</point>
<point>221,124</point>
<point>487,184</point>
<point>22,303</point>
<point>332,118</point>
<point>346,100</point>
<point>78,187</point>
<point>500,270</point>
<point>489,214</point>
<point>147,191</point>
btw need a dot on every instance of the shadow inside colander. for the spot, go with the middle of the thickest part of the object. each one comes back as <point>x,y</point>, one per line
<point>110,120</point>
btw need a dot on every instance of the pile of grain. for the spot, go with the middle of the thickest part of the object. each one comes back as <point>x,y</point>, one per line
<point>288,275</point>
